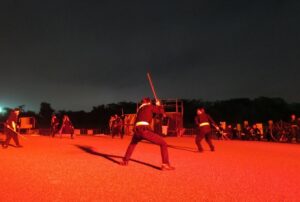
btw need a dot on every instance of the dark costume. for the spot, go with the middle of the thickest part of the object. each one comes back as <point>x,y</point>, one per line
<point>117,127</point>
<point>67,127</point>
<point>10,130</point>
<point>54,125</point>
<point>255,134</point>
<point>142,131</point>
<point>204,122</point>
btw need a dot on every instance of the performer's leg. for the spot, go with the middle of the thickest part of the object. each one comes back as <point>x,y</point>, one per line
<point>156,139</point>
<point>8,137</point>
<point>198,140</point>
<point>135,139</point>
<point>52,131</point>
<point>209,142</point>
<point>15,138</point>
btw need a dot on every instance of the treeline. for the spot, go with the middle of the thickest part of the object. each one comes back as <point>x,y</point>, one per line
<point>232,111</point>
<point>235,111</point>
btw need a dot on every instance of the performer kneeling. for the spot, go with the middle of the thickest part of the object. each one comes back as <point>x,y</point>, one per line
<point>67,127</point>
<point>10,128</point>
<point>142,131</point>
<point>204,122</point>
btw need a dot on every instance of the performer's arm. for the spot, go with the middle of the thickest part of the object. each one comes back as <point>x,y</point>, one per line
<point>212,122</point>
<point>197,121</point>
<point>158,109</point>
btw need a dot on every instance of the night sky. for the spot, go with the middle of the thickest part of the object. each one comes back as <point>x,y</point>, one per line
<point>79,54</point>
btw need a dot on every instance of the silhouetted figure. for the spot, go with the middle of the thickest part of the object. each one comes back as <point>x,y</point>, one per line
<point>67,127</point>
<point>54,125</point>
<point>10,128</point>
<point>122,122</point>
<point>229,131</point>
<point>117,126</point>
<point>255,133</point>
<point>246,131</point>
<point>142,131</point>
<point>111,122</point>
<point>204,122</point>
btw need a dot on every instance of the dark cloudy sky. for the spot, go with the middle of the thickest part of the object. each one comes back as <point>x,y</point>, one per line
<point>77,54</point>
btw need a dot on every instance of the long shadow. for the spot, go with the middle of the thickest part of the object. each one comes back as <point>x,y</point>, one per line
<point>110,157</point>
<point>189,149</point>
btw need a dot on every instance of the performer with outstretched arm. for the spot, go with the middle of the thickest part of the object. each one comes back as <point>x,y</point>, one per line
<point>142,131</point>
<point>204,122</point>
<point>10,128</point>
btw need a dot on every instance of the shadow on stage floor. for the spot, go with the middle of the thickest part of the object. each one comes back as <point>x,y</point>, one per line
<point>110,157</point>
<point>189,149</point>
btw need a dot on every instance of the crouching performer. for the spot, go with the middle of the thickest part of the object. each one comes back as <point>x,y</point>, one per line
<point>143,131</point>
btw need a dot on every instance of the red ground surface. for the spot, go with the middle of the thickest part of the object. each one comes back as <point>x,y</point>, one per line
<point>85,169</point>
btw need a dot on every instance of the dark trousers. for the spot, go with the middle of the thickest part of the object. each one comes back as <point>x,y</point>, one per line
<point>54,129</point>
<point>11,134</point>
<point>66,129</point>
<point>144,133</point>
<point>204,132</point>
<point>116,131</point>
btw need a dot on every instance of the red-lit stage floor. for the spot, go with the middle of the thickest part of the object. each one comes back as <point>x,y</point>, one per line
<point>85,169</point>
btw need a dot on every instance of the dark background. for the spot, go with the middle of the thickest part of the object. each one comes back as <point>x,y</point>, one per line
<point>232,111</point>
<point>79,54</point>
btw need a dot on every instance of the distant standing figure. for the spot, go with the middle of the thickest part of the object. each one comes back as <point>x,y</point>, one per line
<point>67,127</point>
<point>10,128</point>
<point>204,123</point>
<point>54,125</point>
<point>117,127</point>
<point>111,121</point>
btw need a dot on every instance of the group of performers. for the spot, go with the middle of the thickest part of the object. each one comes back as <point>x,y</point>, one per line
<point>66,126</point>
<point>142,130</point>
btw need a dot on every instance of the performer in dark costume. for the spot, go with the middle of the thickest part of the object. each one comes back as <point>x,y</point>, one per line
<point>117,127</point>
<point>54,125</point>
<point>142,131</point>
<point>204,123</point>
<point>67,127</point>
<point>10,128</point>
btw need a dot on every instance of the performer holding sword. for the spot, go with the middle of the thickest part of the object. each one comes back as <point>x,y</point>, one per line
<point>10,128</point>
<point>204,122</point>
<point>143,131</point>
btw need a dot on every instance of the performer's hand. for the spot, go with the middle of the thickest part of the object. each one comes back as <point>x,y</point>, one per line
<point>157,103</point>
